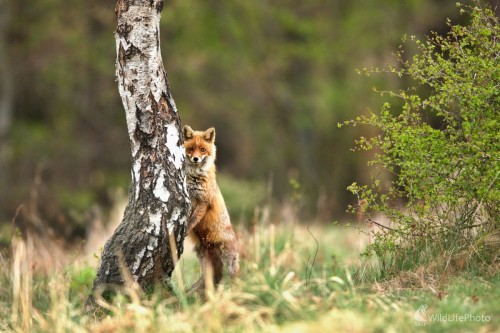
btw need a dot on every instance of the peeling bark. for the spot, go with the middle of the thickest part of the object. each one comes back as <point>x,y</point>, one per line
<point>158,198</point>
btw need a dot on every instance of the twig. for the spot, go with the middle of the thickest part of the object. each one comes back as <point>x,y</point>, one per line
<point>308,275</point>
<point>481,202</point>
<point>13,222</point>
<point>472,226</point>
<point>381,225</point>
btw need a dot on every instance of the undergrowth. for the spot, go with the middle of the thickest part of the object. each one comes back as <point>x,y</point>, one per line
<point>292,279</point>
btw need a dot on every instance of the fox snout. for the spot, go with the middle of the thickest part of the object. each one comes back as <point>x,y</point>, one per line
<point>197,156</point>
<point>196,159</point>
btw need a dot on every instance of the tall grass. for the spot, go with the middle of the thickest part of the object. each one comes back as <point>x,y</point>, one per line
<point>278,284</point>
<point>292,278</point>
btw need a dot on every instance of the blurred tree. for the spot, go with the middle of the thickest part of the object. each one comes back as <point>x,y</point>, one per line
<point>6,87</point>
<point>274,77</point>
<point>284,76</point>
<point>158,203</point>
<point>6,91</point>
<point>61,78</point>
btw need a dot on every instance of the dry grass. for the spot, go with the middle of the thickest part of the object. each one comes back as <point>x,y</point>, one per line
<point>293,279</point>
<point>276,276</point>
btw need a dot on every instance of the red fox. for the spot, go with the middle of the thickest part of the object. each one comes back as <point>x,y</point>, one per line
<point>209,225</point>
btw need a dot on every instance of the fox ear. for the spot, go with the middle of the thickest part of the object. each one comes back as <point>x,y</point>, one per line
<point>188,132</point>
<point>209,135</point>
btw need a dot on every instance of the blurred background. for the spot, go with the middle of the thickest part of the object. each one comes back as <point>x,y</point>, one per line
<point>274,77</point>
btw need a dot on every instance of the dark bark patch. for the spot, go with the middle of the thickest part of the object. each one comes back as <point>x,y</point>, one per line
<point>152,102</point>
<point>131,52</point>
<point>124,29</point>
<point>121,57</point>
<point>164,108</point>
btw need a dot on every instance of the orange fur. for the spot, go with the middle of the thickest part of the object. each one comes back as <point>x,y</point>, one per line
<point>209,224</point>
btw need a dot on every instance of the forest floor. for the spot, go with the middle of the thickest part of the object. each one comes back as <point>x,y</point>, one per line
<point>293,279</point>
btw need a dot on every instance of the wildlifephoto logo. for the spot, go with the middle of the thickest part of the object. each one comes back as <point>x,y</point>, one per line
<point>421,315</point>
<point>422,318</point>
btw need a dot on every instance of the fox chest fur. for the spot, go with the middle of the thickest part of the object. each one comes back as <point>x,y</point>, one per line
<point>209,217</point>
<point>215,224</point>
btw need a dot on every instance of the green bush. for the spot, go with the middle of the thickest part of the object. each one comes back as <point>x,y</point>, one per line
<point>440,147</point>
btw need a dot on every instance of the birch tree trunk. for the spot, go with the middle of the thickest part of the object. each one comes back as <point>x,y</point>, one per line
<point>158,203</point>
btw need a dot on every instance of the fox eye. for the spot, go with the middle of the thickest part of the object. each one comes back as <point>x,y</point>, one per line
<point>203,150</point>
<point>190,149</point>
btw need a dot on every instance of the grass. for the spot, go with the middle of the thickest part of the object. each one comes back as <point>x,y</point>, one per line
<point>293,279</point>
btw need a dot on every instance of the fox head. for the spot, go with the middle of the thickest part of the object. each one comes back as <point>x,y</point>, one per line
<point>200,147</point>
